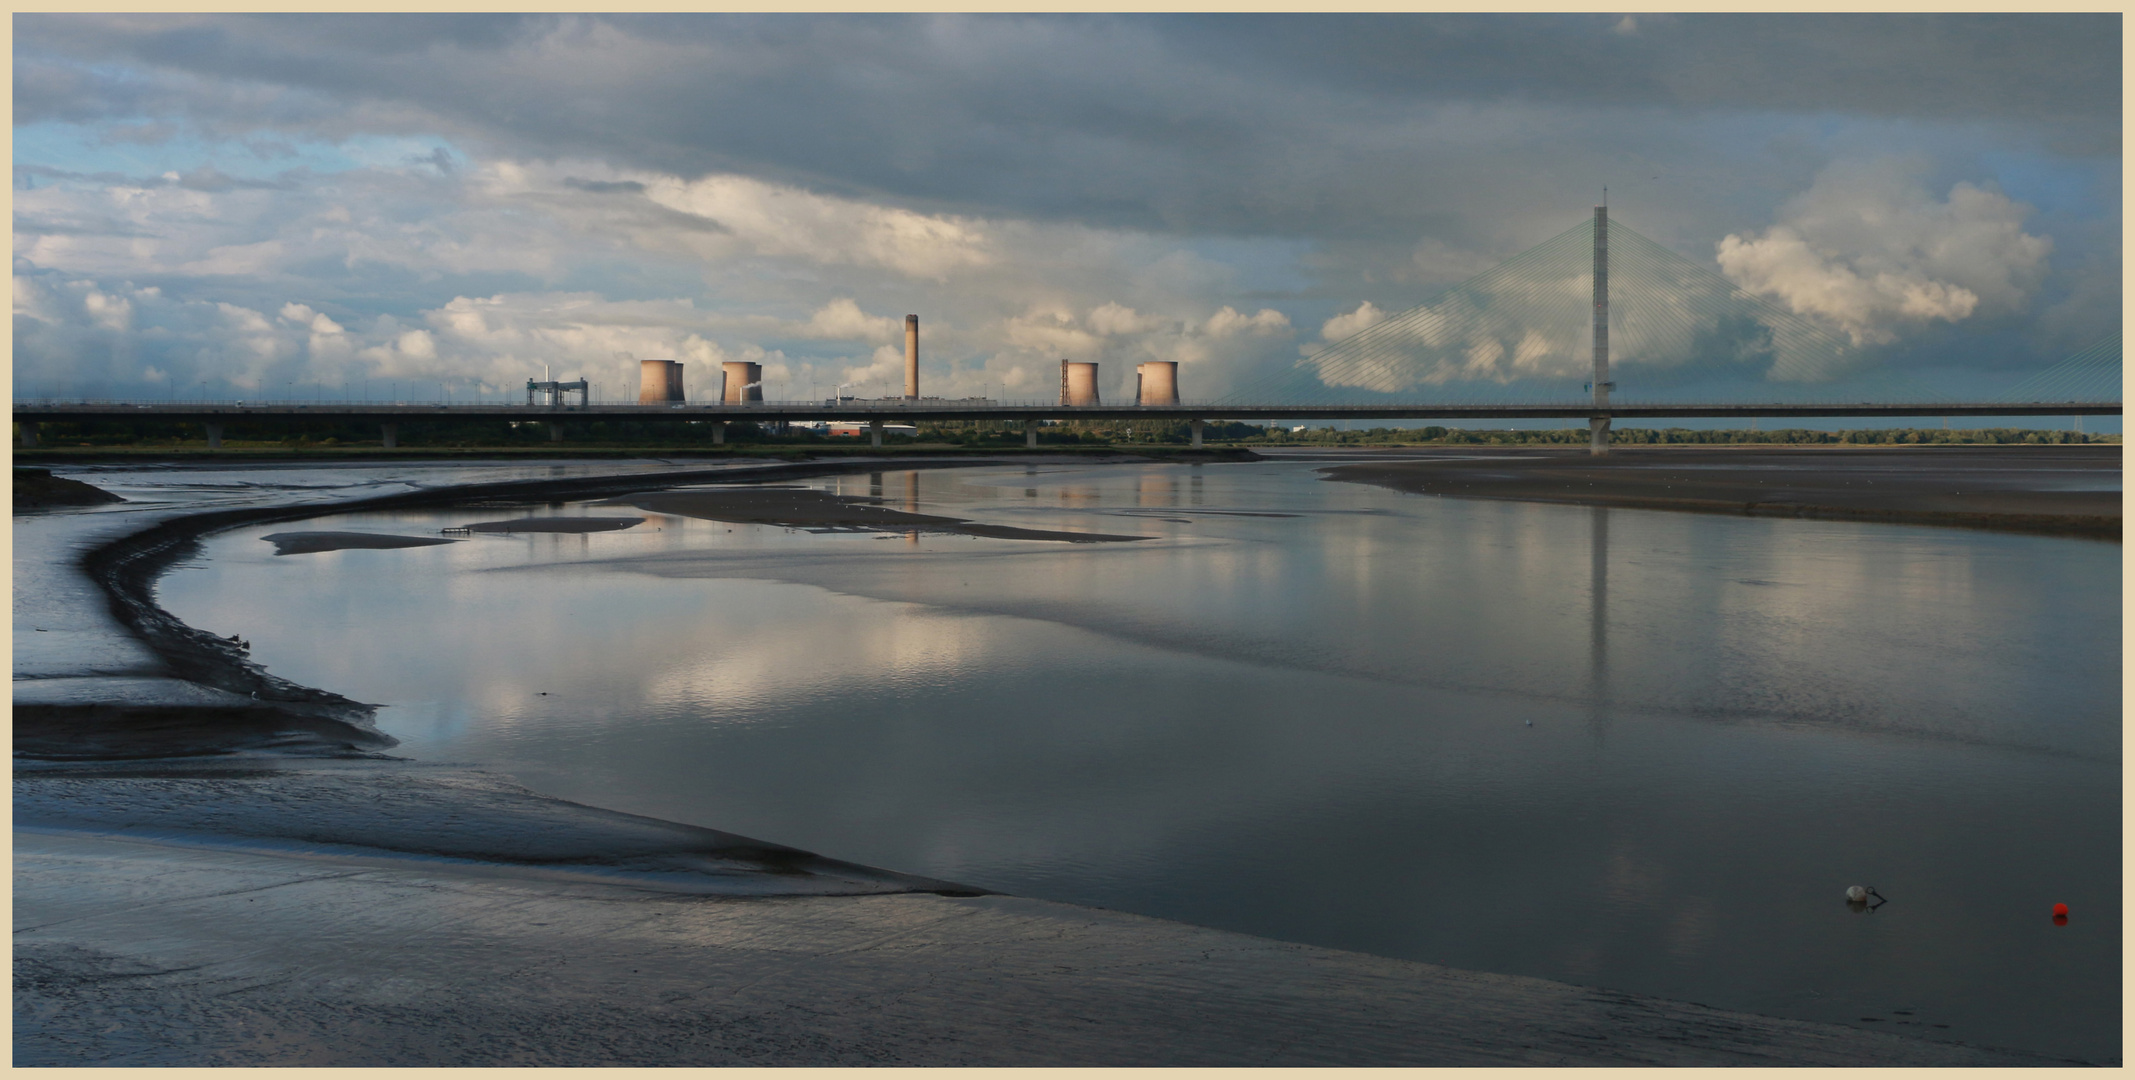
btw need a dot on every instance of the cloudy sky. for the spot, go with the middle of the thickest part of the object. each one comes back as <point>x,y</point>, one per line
<point>269,204</point>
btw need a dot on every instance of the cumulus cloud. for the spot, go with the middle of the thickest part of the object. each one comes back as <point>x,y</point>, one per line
<point>1871,250</point>
<point>1366,316</point>
<point>1228,322</point>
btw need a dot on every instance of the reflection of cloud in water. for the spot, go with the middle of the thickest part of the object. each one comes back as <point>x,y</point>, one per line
<point>821,643</point>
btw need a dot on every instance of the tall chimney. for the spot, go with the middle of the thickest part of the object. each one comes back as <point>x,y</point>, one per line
<point>911,358</point>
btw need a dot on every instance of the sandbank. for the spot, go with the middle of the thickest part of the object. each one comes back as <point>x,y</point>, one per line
<point>2057,489</point>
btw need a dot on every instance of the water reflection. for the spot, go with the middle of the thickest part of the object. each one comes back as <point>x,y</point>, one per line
<point>1598,611</point>
<point>1315,726</point>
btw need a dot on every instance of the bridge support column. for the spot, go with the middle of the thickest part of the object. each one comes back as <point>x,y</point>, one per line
<point>874,434</point>
<point>1597,433</point>
<point>29,435</point>
<point>389,434</point>
<point>214,436</point>
<point>719,433</point>
<point>1197,425</point>
<point>555,431</point>
<point>1030,434</point>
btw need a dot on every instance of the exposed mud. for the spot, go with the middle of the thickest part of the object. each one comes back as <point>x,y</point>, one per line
<point>396,808</point>
<point>805,508</point>
<point>2072,490</point>
<point>105,732</point>
<point>38,489</point>
<point>309,543</point>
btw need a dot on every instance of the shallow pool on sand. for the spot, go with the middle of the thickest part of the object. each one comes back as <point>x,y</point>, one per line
<point>1633,749</point>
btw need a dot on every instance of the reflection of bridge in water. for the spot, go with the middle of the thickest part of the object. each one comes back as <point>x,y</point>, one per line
<point>1509,344</point>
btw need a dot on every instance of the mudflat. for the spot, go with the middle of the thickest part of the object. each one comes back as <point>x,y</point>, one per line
<point>805,508</point>
<point>38,489</point>
<point>2061,489</point>
<point>308,543</point>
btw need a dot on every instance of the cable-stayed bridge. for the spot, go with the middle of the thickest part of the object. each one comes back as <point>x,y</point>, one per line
<point>1596,323</point>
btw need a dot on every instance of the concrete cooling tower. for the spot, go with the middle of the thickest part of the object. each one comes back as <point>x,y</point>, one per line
<point>744,382</point>
<point>1158,381</point>
<point>659,381</point>
<point>1078,383</point>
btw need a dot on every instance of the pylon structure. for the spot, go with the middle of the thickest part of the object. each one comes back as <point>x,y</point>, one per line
<point>1597,426</point>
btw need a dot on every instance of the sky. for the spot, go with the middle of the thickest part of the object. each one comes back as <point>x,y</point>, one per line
<point>412,205</point>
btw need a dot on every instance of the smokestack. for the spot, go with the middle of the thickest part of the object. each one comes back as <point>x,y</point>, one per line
<point>911,358</point>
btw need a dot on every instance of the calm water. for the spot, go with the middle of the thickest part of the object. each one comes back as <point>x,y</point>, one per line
<point>1640,750</point>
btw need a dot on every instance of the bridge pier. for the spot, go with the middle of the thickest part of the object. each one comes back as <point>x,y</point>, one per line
<point>29,435</point>
<point>555,432</point>
<point>1597,432</point>
<point>1197,425</point>
<point>214,436</point>
<point>389,434</point>
<point>874,434</point>
<point>1030,434</point>
<point>719,433</point>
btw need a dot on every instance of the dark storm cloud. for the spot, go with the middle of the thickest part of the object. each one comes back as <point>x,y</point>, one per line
<point>2007,66</point>
<point>1278,125</point>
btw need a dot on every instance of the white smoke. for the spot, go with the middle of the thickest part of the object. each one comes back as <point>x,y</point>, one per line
<point>1869,248</point>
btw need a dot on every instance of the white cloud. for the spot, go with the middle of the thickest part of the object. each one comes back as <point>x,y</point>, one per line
<point>1366,316</point>
<point>1868,248</point>
<point>1227,322</point>
<point>1114,319</point>
<point>842,320</point>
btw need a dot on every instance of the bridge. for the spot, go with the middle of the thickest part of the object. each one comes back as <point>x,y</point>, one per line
<point>1510,343</point>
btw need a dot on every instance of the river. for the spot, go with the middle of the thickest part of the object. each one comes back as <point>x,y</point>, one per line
<point>1634,749</point>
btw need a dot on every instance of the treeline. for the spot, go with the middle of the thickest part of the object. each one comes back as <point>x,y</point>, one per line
<point>1434,435</point>
<point>308,433</point>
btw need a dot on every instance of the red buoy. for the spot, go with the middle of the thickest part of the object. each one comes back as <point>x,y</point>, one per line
<point>2061,910</point>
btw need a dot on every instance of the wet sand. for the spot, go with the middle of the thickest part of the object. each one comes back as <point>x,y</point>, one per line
<point>804,508</point>
<point>308,543</point>
<point>2057,489</point>
<point>144,951</point>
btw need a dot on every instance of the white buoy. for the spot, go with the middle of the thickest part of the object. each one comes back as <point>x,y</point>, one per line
<point>1856,894</point>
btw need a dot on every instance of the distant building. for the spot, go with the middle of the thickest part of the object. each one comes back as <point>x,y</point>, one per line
<point>859,427</point>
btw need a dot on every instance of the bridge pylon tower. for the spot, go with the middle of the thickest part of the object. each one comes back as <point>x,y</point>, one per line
<point>1597,425</point>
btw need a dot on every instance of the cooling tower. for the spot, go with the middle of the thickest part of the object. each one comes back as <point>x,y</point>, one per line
<point>911,358</point>
<point>1159,381</point>
<point>744,381</point>
<point>659,381</point>
<point>1078,383</point>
